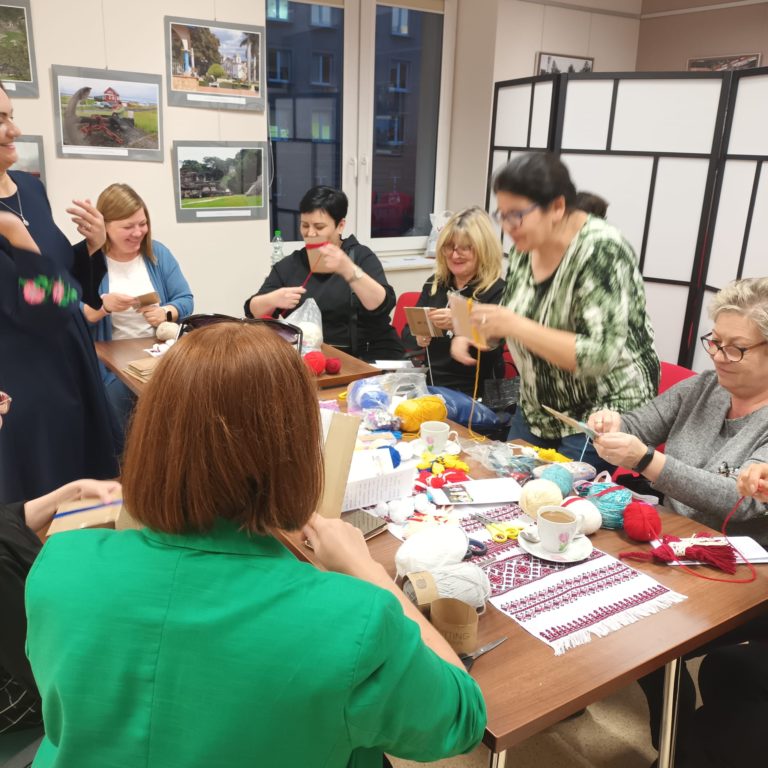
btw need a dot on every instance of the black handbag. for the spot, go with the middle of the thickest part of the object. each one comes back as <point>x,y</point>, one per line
<point>501,394</point>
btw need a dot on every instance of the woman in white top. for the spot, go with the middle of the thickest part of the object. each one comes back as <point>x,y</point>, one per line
<point>136,265</point>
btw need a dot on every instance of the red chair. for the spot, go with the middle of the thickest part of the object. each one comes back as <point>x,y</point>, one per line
<point>671,374</point>
<point>407,299</point>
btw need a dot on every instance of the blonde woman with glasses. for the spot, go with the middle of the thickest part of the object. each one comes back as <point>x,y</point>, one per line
<point>468,263</point>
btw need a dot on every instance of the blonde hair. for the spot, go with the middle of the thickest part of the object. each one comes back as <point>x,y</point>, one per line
<point>747,297</point>
<point>118,202</point>
<point>472,227</point>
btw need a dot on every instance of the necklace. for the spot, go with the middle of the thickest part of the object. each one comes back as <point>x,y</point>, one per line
<point>20,212</point>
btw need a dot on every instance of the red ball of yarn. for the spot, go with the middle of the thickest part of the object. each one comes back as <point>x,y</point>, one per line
<point>332,365</point>
<point>641,521</point>
<point>315,362</point>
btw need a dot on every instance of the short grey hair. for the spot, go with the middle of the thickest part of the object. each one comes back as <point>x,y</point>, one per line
<point>747,297</point>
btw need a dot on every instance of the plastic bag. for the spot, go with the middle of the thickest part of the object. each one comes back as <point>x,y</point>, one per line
<point>309,318</point>
<point>438,221</point>
<point>385,391</point>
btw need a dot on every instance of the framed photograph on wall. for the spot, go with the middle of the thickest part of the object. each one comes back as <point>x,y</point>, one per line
<point>105,113</point>
<point>214,65</point>
<point>558,63</point>
<point>723,63</point>
<point>31,159</point>
<point>17,51</point>
<point>220,180</point>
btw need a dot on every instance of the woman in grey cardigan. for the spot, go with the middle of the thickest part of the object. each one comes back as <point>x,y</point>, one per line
<point>714,424</point>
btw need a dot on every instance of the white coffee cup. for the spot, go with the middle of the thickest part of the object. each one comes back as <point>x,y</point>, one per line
<point>435,435</point>
<point>556,527</point>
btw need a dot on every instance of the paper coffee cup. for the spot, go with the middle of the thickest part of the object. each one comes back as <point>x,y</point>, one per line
<point>556,527</point>
<point>456,621</point>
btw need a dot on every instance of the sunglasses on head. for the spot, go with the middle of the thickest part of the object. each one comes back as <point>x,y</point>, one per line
<point>290,333</point>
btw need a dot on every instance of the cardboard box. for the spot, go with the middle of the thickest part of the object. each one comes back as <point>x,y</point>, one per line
<point>84,513</point>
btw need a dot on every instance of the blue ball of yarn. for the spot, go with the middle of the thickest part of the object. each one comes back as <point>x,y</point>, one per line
<point>560,476</point>
<point>611,505</point>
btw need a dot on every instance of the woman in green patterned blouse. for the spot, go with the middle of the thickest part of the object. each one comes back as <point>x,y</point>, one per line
<point>573,310</point>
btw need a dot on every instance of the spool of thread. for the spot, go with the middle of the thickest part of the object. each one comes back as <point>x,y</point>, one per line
<point>463,581</point>
<point>560,476</point>
<point>642,521</point>
<point>537,493</point>
<point>611,500</point>
<point>413,413</point>
<point>431,549</point>
<point>590,516</point>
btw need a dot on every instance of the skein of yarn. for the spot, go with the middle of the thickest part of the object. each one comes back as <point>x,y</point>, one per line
<point>413,413</point>
<point>560,476</point>
<point>589,514</point>
<point>431,549</point>
<point>611,500</point>
<point>642,521</point>
<point>464,581</point>
<point>537,493</point>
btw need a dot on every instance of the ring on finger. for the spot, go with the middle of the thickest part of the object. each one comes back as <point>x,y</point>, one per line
<point>484,320</point>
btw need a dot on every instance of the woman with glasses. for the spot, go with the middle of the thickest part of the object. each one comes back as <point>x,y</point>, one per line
<point>201,635</point>
<point>468,262</point>
<point>573,311</point>
<point>714,424</point>
<point>61,426</point>
<point>344,277</point>
<point>136,265</point>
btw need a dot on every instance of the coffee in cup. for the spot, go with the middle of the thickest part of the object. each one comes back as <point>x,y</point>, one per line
<point>556,527</point>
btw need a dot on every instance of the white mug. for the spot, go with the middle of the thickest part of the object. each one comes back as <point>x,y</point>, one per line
<point>557,527</point>
<point>436,434</point>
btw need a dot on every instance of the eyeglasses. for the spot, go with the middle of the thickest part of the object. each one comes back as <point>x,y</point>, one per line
<point>514,218</point>
<point>731,352</point>
<point>291,333</point>
<point>462,250</point>
<point>5,403</point>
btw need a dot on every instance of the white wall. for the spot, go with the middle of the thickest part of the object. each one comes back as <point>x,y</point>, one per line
<point>224,262</point>
<point>524,28</point>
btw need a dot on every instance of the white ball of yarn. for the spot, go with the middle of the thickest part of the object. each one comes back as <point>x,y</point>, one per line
<point>405,450</point>
<point>431,548</point>
<point>464,581</point>
<point>312,335</point>
<point>166,330</point>
<point>591,519</point>
<point>400,510</point>
<point>537,493</point>
<point>421,503</point>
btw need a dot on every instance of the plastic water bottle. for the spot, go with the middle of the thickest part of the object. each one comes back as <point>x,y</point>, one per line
<point>277,246</point>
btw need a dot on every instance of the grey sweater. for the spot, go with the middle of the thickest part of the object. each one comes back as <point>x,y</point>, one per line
<point>701,442</point>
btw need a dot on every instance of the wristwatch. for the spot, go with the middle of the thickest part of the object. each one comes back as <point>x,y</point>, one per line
<point>356,275</point>
<point>645,460</point>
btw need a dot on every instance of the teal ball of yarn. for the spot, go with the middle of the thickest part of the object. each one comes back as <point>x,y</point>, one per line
<point>611,500</point>
<point>560,476</point>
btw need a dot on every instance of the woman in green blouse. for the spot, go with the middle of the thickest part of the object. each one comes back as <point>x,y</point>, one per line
<point>200,640</point>
<point>573,310</point>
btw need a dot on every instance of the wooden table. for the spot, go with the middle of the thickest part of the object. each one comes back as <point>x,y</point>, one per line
<point>117,354</point>
<point>527,688</point>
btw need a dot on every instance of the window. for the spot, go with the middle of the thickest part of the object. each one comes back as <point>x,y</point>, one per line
<point>277,10</point>
<point>278,66</point>
<point>363,118</point>
<point>321,16</point>
<point>400,21</point>
<point>322,69</point>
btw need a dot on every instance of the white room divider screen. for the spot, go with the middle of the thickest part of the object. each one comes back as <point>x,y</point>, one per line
<point>668,151</point>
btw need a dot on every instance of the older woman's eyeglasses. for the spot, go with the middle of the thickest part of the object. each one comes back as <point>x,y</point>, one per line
<point>462,250</point>
<point>731,352</point>
<point>291,333</point>
<point>514,218</point>
<point>5,403</point>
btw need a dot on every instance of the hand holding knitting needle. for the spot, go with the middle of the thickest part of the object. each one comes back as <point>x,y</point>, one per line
<point>753,481</point>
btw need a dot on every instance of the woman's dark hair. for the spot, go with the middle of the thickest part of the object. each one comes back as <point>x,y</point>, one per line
<point>590,203</point>
<point>539,176</point>
<point>333,201</point>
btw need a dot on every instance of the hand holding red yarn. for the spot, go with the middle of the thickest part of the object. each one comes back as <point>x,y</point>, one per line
<point>753,481</point>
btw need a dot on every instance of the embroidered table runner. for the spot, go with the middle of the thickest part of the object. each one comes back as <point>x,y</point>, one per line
<point>564,604</point>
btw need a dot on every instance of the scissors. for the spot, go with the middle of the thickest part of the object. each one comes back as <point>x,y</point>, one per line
<point>469,658</point>
<point>500,531</point>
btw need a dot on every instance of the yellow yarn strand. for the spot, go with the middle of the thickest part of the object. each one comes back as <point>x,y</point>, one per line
<point>477,438</point>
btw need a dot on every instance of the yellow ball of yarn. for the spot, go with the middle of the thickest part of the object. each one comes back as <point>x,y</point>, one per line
<point>413,413</point>
<point>537,493</point>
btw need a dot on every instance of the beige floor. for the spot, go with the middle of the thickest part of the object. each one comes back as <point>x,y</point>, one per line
<point>612,733</point>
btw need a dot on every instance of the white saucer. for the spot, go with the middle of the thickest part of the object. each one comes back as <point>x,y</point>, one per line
<point>451,447</point>
<point>580,549</point>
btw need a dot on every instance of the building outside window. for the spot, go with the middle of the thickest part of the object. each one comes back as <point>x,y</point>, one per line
<point>321,16</point>
<point>322,68</point>
<point>277,10</point>
<point>400,21</point>
<point>278,66</point>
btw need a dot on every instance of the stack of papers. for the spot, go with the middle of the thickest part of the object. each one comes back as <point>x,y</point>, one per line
<point>141,369</point>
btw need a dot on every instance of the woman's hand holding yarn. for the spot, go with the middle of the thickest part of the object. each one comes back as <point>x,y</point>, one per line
<point>620,449</point>
<point>340,547</point>
<point>753,481</point>
<point>287,298</point>
<point>460,350</point>
<point>441,318</point>
<point>494,321</point>
<point>605,421</point>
